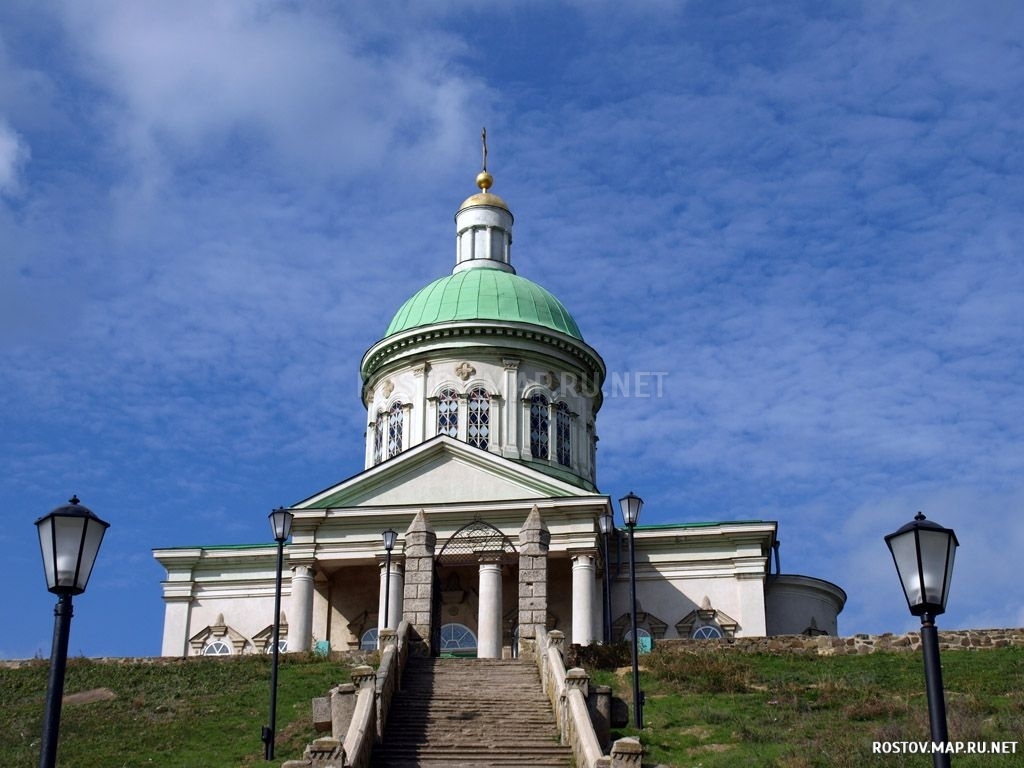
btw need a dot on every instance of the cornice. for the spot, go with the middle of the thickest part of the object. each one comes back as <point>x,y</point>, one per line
<point>407,341</point>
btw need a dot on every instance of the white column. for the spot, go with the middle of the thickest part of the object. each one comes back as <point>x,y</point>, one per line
<point>488,641</point>
<point>407,411</point>
<point>397,588</point>
<point>300,622</point>
<point>417,429</point>
<point>513,404</point>
<point>394,596</point>
<point>496,421</point>
<point>583,574</point>
<point>371,427</point>
<point>462,429</point>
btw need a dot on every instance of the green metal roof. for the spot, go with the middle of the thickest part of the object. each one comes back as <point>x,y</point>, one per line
<point>484,294</point>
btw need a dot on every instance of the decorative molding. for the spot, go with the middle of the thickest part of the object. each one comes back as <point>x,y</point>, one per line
<point>464,371</point>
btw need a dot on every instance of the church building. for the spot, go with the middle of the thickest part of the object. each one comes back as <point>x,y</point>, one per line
<point>482,402</point>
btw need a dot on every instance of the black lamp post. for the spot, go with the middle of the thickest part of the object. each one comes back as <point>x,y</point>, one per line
<point>606,524</point>
<point>281,525</point>
<point>630,506</point>
<point>923,552</point>
<point>70,538</point>
<point>389,537</point>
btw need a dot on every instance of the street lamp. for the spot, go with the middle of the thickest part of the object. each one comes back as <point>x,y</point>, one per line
<point>630,506</point>
<point>69,538</point>
<point>389,543</point>
<point>923,552</point>
<point>606,524</point>
<point>281,525</point>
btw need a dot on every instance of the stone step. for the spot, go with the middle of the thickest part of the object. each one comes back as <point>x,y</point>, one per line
<point>469,713</point>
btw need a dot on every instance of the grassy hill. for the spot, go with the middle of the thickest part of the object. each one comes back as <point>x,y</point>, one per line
<point>715,710</point>
<point>710,710</point>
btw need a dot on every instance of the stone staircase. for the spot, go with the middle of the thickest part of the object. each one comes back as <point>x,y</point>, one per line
<point>470,713</point>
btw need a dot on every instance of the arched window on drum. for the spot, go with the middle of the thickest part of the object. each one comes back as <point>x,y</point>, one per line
<point>478,425</point>
<point>448,413</point>
<point>563,435</point>
<point>540,422</point>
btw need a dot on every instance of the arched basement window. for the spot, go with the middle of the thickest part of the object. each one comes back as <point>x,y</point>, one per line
<point>478,432</point>
<point>627,637</point>
<point>396,421</point>
<point>217,648</point>
<point>706,632</point>
<point>563,435</point>
<point>539,424</point>
<point>368,642</point>
<point>282,646</point>
<point>457,638</point>
<point>448,413</point>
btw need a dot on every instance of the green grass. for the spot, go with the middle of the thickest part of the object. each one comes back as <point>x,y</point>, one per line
<point>781,711</point>
<point>195,713</point>
<point>713,710</point>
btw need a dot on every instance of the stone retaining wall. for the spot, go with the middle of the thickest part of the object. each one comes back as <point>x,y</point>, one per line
<point>825,645</point>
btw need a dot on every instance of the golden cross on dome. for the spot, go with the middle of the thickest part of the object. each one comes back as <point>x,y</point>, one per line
<point>484,180</point>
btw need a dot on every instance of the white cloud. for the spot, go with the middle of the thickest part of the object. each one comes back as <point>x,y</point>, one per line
<point>314,90</point>
<point>14,153</point>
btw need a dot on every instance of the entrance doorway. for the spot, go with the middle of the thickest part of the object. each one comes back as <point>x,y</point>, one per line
<point>469,574</point>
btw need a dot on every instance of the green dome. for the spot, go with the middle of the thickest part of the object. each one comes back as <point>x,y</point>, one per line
<point>484,294</point>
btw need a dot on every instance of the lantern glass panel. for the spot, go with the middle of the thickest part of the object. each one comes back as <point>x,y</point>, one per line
<point>281,523</point>
<point>69,544</point>
<point>904,553</point>
<point>936,564</point>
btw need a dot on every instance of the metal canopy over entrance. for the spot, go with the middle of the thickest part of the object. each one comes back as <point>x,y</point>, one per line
<point>475,540</point>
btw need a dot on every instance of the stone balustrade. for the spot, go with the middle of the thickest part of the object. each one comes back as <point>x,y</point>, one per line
<point>356,713</point>
<point>568,692</point>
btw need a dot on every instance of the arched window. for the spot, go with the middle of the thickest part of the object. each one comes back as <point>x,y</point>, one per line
<point>448,413</point>
<point>478,432</point>
<point>706,632</point>
<point>217,648</point>
<point>539,422</point>
<point>282,646</point>
<point>396,421</point>
<point>457,637</point>
<point>563,435</point>
<point>640,633</point>
<point>368,642</point>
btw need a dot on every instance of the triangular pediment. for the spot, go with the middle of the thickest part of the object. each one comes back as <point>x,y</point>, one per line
<point>442,471</point>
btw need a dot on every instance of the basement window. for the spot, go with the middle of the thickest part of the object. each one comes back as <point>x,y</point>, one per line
<point>217,648</point>
<point>368,642</point>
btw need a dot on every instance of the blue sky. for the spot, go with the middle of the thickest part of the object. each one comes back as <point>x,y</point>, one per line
<point>807,216</point>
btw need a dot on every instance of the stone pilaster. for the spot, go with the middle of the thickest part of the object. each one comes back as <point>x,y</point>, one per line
<point>510,393</point>
<point>418,591</point>
<point>534,542</point>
